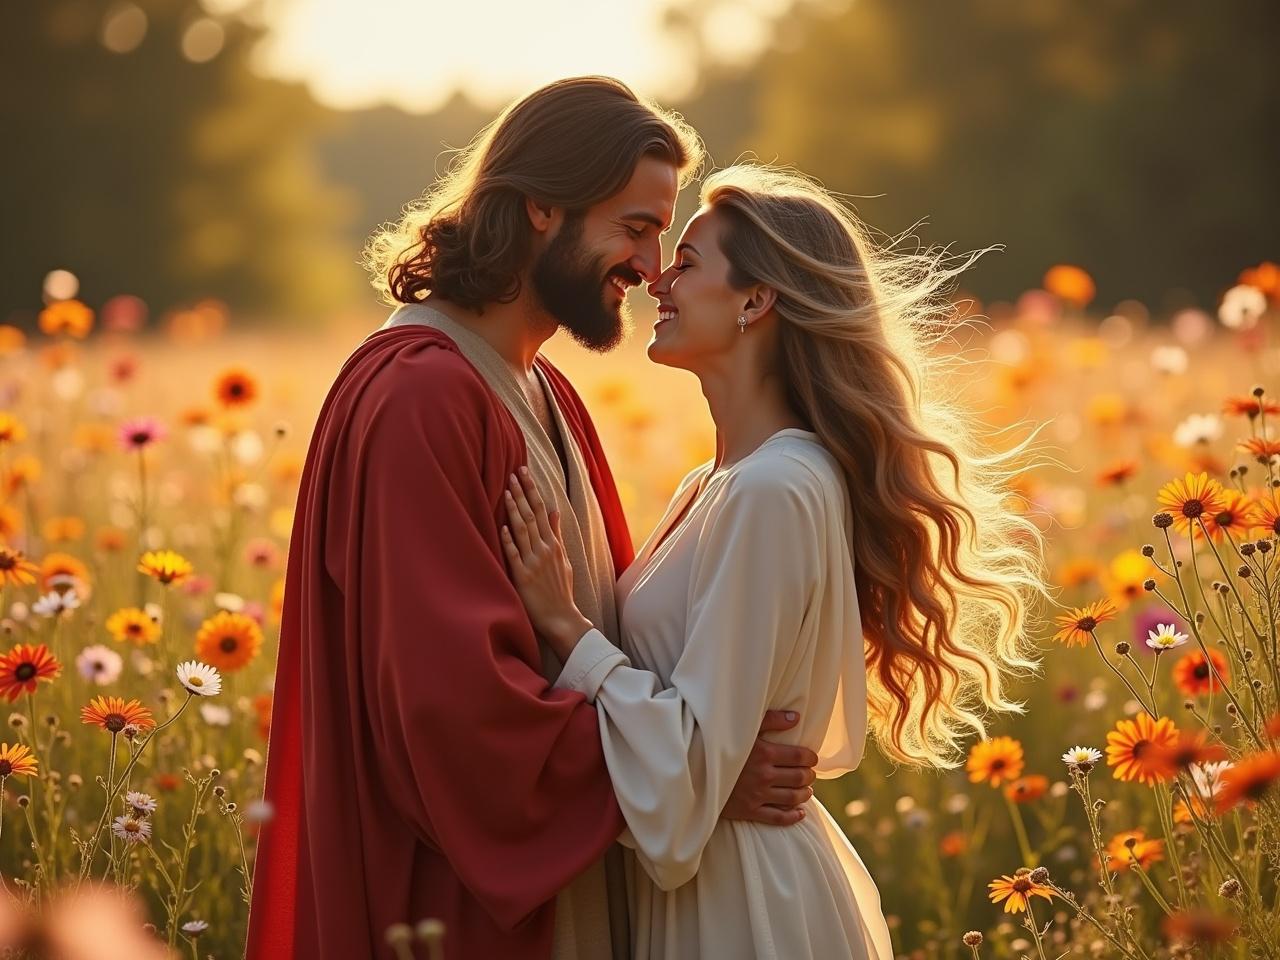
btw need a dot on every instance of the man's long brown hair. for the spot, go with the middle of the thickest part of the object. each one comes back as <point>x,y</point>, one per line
<point>570,144</point>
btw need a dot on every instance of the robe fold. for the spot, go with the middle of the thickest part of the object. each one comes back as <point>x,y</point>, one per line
<point>420,764</point>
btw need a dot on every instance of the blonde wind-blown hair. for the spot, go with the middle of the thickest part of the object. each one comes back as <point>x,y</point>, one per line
<point>945,569</point>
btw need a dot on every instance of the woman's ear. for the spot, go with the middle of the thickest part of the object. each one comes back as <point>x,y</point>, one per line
<point>760,300</point>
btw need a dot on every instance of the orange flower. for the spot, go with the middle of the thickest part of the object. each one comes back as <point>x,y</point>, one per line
<point>1267,517</point>
<point>60,571</point>
<point>110,539</point>
<point>262,706</point>
<point>1249,779</point>
<point>1028,788</point>
<point>11,428</point>
<point>1130,747</point>
<point>1189,747</point>
<point>1265,277</point>
<point>228,641</point>
<point>16,761</point>
<point>1071,283</point>
<point>995,761</point>
<point>15,568</point>
<point>1190,499</point>
<point>1261,448</point>
<point>10,522</point>
<point>1238,515</point>
<point>1273,727</point>
<point>1248,407</point>
<point>1198,926</point>
<point>1079,571</point>
<point>1117,473</point>
<point>1017,891</point>
<point>133,625</point>
<point>1199,806</point>
<point>69,317</point>
<point>165,566</point>
<point>23,667</point>
<point>63,529</point>
<point>23,472</point>
<point>113,714</point>
<point>1193,677</point>
<point>953,844</point>
<point>235,388</point>
<point>1121,854</point>
<point>12,339</point>
<point>1079,624</point>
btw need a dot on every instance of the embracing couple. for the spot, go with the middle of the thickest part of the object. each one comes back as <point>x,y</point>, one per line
<point>488,708</point>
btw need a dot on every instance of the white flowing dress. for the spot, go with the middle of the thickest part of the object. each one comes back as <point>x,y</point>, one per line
<point>743,602</point>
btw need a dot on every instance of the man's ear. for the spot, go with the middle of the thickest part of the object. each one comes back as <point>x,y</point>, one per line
<point>544,219</point>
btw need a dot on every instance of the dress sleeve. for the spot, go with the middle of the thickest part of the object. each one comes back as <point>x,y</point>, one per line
<point>482,758</point>
<point>675,754</point>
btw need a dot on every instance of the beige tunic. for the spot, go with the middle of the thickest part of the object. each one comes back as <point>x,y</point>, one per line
<point>592,910</point>
<point>749,604</point>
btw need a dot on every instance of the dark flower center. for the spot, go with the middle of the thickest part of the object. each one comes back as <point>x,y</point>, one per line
<point>1139,748</point>
<point>114,722</point>
<point>1201,671</point>
<point>236,389</point>
<point>1022,885</point>
<point>1192,509</point>
<point>228,644</point>
<point>25,671</point>
<point>139,437</point>
<point>1086,623</point>
<point>6,768</point>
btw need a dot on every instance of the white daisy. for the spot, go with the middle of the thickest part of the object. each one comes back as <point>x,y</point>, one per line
<point>1208,777</point>
<point>55,604</point>
<point>1198,428</point>
<point>100,664</point>
<point>1079,755</point>
<point>200,678</point>
<point>1241,307</point>
<point>132,829</point>
<point>1165,637</point>
<point>143,804</point>
<point>1169,359</point>
<point>215,715</point>
<point>193,928</point>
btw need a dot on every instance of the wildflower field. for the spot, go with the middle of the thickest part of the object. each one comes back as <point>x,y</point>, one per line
<point>148,469</point>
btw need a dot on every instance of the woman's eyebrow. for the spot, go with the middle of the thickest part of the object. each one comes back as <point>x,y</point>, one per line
<point>688,246</point>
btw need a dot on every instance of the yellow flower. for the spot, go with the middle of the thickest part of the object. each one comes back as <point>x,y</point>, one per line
<point>1191,499</point>
<point>69,317</point>
<point>11,428</point>
<point>995,761</point>
<point>165,566</point>
<point>1081,622</point>
<point>1135,748</point>
<point>133,625</point>
<point>1017,891</point>
<point>15,568</point>
<point>16,761</point>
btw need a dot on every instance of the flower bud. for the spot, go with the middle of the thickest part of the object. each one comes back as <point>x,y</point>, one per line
<point>1039,875</point>
<point>1148,550</point>
<point>1230,888</point>
<point>972,939</point>
<point>1162,520</point>
<point>1148,584</point>
<point>1122,647</point>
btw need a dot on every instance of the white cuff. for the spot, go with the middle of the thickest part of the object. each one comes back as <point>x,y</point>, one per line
<point>589,663</point>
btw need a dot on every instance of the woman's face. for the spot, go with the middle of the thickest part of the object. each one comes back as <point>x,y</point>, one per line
<point>697,309</point>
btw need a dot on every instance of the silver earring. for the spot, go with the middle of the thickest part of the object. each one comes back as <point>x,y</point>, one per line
<point>742,324</point>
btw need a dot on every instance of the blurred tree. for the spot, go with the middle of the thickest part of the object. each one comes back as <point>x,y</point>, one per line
<point>146,157</point>
<point>1137,140</point>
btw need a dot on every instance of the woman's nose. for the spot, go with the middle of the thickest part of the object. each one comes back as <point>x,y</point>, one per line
<point>660,286</point>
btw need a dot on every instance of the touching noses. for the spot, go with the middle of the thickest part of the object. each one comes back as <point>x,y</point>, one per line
<point>648,262</point>
<point>660,286</point>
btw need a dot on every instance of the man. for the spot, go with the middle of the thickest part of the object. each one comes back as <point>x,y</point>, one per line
<point>425,760</point>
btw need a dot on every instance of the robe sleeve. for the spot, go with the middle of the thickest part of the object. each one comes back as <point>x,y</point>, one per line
<point>675,754</point>
<point>483,760</point>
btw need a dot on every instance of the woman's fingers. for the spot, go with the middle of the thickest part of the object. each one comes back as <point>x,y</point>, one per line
<point>526,511</point>
<point>534,498</point>
<point>519,529</point>
<point>512,552</point>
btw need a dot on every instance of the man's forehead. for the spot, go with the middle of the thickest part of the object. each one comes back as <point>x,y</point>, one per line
<point>650,194</point>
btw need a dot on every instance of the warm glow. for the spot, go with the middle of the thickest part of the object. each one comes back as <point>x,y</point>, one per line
<point>416,55</point>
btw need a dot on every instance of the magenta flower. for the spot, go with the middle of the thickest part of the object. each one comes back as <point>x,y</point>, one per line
<point>141,432</point>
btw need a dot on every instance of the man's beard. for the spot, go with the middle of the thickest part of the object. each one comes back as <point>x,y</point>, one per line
<point>571,287</point>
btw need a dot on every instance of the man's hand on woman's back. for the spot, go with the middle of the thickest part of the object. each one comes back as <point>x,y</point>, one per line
<point>776,781</point>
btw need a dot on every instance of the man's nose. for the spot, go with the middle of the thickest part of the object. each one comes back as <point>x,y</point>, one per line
<point>648,262</point>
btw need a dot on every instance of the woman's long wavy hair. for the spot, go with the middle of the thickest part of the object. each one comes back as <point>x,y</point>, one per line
<point>569,144</point>
<point>945,568</point>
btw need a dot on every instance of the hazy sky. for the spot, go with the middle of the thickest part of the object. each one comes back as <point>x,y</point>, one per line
<point>414,53</point>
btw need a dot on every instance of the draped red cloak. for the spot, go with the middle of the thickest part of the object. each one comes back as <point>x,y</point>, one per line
<point>419,763</point>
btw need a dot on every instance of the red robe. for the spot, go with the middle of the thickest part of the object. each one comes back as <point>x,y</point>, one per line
<point>420,765</point>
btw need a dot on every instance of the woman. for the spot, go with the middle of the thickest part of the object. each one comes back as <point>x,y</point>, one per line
<point>820,563</point>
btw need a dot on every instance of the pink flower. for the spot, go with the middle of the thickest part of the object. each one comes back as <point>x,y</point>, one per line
<point>141,432</point>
